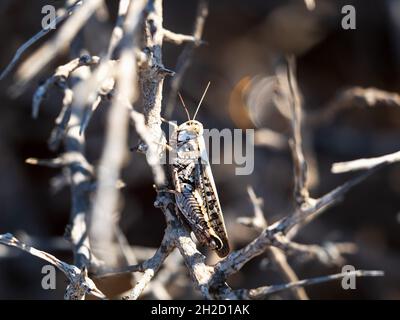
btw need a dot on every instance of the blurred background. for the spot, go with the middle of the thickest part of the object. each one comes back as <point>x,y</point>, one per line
<point>246,41</point>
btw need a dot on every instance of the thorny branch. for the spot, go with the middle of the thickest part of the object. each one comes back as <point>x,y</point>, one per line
<point>139,68</point>
<point>80,174</point>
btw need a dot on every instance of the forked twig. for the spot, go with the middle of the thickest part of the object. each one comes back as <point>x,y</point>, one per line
<point>79,283</point>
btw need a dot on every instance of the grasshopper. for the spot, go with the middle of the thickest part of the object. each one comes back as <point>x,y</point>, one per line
<point>195,192</point>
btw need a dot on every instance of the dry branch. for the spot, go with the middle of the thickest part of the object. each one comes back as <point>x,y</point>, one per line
<point>62,14</point>
<point>328,254</point>
<point>59,79</point>
<point>301,194</point>
<point>277,256</point>
<point>80,173</point>
<point>178,38</point>
<point>263,292</point>
<point>42,56</point>
<point>365,164</point>
<point>114,152</point>
<point>81,176</point>
<point>79,283</point>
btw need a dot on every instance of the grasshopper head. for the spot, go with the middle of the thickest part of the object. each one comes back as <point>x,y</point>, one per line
<point>190,130</point>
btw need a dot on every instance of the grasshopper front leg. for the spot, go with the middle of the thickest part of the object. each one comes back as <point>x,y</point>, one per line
<point>175,181</point>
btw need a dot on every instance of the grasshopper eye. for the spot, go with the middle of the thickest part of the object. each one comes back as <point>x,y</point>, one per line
<point>217,243</point>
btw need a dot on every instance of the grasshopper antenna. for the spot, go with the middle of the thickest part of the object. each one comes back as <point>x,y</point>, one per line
<point>184,106</point>
<point>201,100</point>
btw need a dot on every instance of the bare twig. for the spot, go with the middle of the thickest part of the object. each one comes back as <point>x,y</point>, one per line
<point>299,163</point>
<point>185,57</point>
<point>59,78</point>
<point>62,120</point>
<point>80,171</point>
<point>365,164</point>
<point>152,267</point>
<point>89,93</point>
<point>178,38</point>
<point>141,284</point>
<point>353,97</point>
<point>118,31</point>
<point>172,269</point>
<point>148,267</point>
<point>329,253</point>
<point>258,221</point>
<point>79,283</point>
<point>62,14</point>
<point>279,259</point>
<point>154,262</point>
<point>276,255</point>
<point>81,177</point>
<point>42,56</point>
<point>263,292</point>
